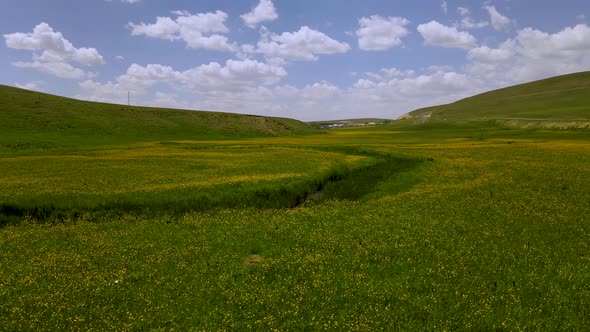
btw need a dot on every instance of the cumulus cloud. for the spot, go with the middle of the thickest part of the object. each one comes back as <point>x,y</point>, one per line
<point>56,52</point>
<point>198,31</point>
<point>255,87</point>
<point>378,33</point>
<point>168,100</point>
<point>54,46</point>
<point>389,94</point>
<point>249,86</point>
<point>463,11</point>
<point>264,12</point>
<point>286,91</point>
<point>564,44</point>
<point>486,54</point>
<point>436,34</point>
<point>320,91</point>
<point>164,28</point>
<point>412,85</point>
<point>499,21</point>
<point>58,69</point>
<point>467,22</point>
<point>534,54</point>
<point>233,76</point>
<point>302,45</point>
<point>393,93</point>
<point>389,73</point>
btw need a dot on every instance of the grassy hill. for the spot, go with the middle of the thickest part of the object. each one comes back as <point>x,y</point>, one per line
<point>562,99</point>
<point>36,120</point>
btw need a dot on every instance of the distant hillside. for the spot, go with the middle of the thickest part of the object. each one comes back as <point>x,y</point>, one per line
<point>31,119</point>
<point>558,99</point>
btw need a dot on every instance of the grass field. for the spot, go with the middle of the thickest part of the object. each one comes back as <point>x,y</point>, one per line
<point>492,233</point>
<point>171,178</point>
<point>464,225</point>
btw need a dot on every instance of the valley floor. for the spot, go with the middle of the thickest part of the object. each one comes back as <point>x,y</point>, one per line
<point>491,230</point>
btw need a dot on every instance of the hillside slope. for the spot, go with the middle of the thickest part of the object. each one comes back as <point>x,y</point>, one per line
<point>561,98</point>
<point>31,119</point>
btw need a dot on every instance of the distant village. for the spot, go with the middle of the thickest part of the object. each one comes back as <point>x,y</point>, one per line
<point>346,123</point>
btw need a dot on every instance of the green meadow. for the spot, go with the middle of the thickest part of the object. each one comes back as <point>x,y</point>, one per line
<point>463,225</point>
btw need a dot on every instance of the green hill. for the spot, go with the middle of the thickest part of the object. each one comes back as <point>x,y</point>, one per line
<point>36,120</point>
<point>558,99</point>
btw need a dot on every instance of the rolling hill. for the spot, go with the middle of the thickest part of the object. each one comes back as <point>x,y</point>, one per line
<point>31,119</point>
<point>558,99</point>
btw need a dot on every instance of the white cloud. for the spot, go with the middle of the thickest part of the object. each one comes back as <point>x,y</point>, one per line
<point>58,69</point>
<point>467,22</point>
<point>410,84</point>
<point>168,100</point>
<point>164,28</point>
<point>232,77</point>
<point>388,73</point>
<point>499,21</point>
<point>320,91</point>
<point>486,54</point>
<point>246,51</point>
<point>203,23</point>
<point>534,54</point>
<point>302,45</point>
<point>564,44</point>
<point>264,12</point>
<point>436,34</point>
<point>394,96</point>
<point>387,96</point>
<point>120,57</point>
<point>214,42</point>
<point>198,31</point>
<point>249,86</point>
<point>56,52</point>
<point>254,87</point>
<point>33,86</point>
<point>581,17</point>
<point>286,91</point>
<point>444,7</point>
<point>463,11</point>
<point>378,33</point>
<point>54,46</point>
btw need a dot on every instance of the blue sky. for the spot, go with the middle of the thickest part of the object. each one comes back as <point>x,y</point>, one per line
<point>310,60</point>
